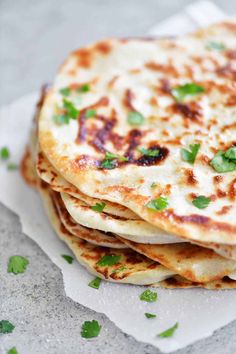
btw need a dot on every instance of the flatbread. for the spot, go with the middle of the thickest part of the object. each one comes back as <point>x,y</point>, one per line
<point>136,75</point>
<point>178,282</point>
<point>91,235</point>
<point>192,262</point>
<point>138,230</point>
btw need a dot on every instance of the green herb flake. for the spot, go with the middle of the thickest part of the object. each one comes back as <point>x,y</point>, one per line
<point>98,207</point>
<point>17,264</point>
<point>68,258</point>
<point>6,326</point>
<point>221,163</point>
<point>157,204</point>
<point>201,202</point>
<point>4,153</point>
<point>12,351</point>
<point>135,118</point>
<point>150,315</point>
<point>61,119</point>
<point>90,329</point>
<point>84,88</point>
<point>191,154</point>
<point>148,296</point>
<point>149,152</point>
<point>111,156</point>
<point>169,332</point>
<point>71,111</point>
<point>186,90</point>
<point>108,164</point>
<point>153,185</point>
<point>215,46</point>
<point>90,113</point>
<point>65,91</point>
<point>12,166</point>
<point>231,153</point>
<point>109,260</point>
<point>120,269</point>
<point>95,283</point>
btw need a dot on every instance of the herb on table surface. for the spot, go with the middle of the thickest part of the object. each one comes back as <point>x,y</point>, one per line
<point>90,329</point>
<point>68,258</point>
<point>169,332</point>
<point>6,326</point>
<point>148,296</point>
<point>95,283</point>
<point>17,264</point>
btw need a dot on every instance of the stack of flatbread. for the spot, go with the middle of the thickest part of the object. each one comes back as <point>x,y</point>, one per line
<point>134,149</point>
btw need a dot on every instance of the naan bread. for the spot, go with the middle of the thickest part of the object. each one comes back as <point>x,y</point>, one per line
<point>138,76</point>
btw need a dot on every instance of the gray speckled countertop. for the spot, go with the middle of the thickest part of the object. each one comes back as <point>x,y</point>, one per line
<point>35,36</point>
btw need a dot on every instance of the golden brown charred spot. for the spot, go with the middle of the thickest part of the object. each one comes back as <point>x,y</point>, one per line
<point>26,169</point>
<point>191,110</point>
<point>81,136</point>
<point>111,83</point>
<point>218,179</point>
<point>230,54</point>
<point>103,47</point>
<point>84,57</point>
<point>128,100</point>
<point>166,69</point>
<point>83,162</point>
<point>220,193</point>
<point>190,178</point>
<point>224,210</point>
<point>227,71</point>
<point>146,160</point>
<point>231,26</point>
<point>232,190</point>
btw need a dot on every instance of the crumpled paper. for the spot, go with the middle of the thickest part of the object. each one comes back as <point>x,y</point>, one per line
<point>199,312</point>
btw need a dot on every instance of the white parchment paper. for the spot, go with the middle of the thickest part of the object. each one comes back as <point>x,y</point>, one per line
<point>199,312</point>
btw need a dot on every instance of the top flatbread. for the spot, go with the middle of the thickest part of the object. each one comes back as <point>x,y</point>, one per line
<point>137,76</point>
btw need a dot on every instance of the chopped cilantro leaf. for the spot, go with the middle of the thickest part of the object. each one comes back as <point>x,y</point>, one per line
<point>84,88</point>
<point>61,119</point>
<point>150,315</point>
<point>17,264</point>
<point>90,329</point>
<point>98,207</point>
<point>90,113</point>
<point>190,155</point>
<point>169,332</point>
<point>183,91</point>
<point>4,153</point>
<point>215,45</point>
<point>221,163</point>
<point>12,351</point>
<point>157,204</point>
<point>6,326</point>
<point>12,166</point>
<point>148,296</point>
<point>153,185</point>
<point>111,156</point>
<point>135,118</point>
<point>71,111</point>
<point>149,152</point>
<point>68,258</point>
<point>95,283</point>
<point>108,164</point>
<point>109,260</point>
<point>65,91</point>
<point>231,153</point>
<point>201,202</point>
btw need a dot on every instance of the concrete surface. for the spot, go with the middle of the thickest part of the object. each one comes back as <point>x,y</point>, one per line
<point>34,38</point>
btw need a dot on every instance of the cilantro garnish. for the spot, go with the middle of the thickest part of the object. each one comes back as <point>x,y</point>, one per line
<point>149,152</point>
<point>183,91</point>
<point>98,207</point>
<point>148,296</point>
<point>12,351</point>
<point>224,161</point>
<point>71,111</point>
<point>111,156</point>
<point>169,332</point>
<point>84,88</point>
<point>110,159</point>
<point>65,91</point>
<point>68,258</point>
<point>90,329</point>
<point>157,204</point>
<point>201,202</point>
<point>108,164</point>
<point>191,154</point>
<point>12,166</point>
<point>150,315</point>
<point>90,113</point>
<point>215,46</point>
<point>109,260</point>
<point>95,283</point>
<point>4,153</point>
<point>135,118</point>
<point>17,264</point>
<point>6,326</point>
<point>153,185</point>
